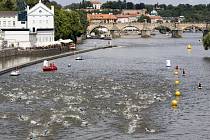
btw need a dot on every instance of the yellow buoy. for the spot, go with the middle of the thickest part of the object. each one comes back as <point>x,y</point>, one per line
<point>176,72</point>
<point>174,103</point>
<point>189,46</point>
<point>178,93</point>
<point>177,82</point>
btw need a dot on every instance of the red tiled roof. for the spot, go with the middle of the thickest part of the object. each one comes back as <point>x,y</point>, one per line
<point>95,2</point>
<point>101,17</point>
<point>122,16</point>
<point>8,13</point>
<point>155,17</point>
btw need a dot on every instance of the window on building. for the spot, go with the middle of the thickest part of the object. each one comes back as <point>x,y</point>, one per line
<point>33,21</point>
<point>4,23</point>
<point>40,21</point>
<point>22,22</point>
<point>13,23</point>
<point>9,23</point>
<point>46,21</point>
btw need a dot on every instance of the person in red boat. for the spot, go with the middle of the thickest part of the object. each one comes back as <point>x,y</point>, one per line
<point>50,67</point>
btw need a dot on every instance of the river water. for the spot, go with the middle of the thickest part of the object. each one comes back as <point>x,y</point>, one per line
<point>117,93</point>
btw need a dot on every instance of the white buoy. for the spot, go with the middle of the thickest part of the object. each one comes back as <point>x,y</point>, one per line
<point>45,63</point>
<point>168,63</point>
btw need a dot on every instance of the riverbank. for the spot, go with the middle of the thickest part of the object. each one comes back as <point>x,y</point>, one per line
<point>33,52</point>
<point>6,70</point>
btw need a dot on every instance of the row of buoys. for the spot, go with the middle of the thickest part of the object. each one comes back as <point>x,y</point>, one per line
<point>174,102</point>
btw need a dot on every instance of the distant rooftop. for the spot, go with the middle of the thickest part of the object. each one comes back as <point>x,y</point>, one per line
<point>101,17</point>
<point>8,13</point>
<point>95,2</point>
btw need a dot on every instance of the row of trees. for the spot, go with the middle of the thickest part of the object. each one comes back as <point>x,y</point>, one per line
<point>192,13</point>
<point>68,24</point>
<point>122,5</point>
<point>196,13</point>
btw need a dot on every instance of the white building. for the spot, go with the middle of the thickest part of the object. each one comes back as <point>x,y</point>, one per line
<point>9,20</point>
<point>13,30</point>
<point>155,18</point>
<point>40,23</point>
<point>34,27</point>
<point>96,4</point>
<point>122,18</point>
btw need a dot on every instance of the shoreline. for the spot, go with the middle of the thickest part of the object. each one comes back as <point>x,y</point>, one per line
<point>7,70</point>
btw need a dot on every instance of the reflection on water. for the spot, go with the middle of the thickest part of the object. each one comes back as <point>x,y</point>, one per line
<point>118,93</point>
<point>14,60</point>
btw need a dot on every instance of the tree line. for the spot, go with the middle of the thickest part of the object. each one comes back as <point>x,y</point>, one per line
<point>68,24</point>
<point>192,13</point>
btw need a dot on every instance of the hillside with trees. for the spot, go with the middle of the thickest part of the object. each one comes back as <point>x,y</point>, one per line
<point>192,13</point>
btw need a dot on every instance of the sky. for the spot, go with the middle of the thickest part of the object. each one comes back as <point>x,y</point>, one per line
<point>173,2</point>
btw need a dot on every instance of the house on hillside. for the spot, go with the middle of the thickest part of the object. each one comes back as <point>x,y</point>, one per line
<point>96,4</point>
<point>134,12</point>
<point>155,18</point>
<point>101,18</point>
<point>128,16</point>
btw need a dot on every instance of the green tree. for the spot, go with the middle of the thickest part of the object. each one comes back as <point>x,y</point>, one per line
<point>67,24</point>
<point>143,18</point>
<point>206,41</point>
<point>31,3</point>
<point>130,5</point>
<point>9,4</point>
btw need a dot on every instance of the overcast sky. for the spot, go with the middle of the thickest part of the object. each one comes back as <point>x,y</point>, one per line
<point>174,2</point>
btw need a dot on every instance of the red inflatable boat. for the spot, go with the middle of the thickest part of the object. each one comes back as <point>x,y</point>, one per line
<point>51,67</point>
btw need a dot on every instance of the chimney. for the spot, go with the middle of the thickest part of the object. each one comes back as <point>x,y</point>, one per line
<point>52,9</point>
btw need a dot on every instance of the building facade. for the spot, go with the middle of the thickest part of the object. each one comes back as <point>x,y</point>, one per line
<point>40,23</point>
<point>30,29</point>
<point>101,18</point>
<point>96,4</point>
<point>9,20</point>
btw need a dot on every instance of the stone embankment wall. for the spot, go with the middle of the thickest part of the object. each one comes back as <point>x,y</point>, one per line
<point>29,52</point>
<point>8,52</point>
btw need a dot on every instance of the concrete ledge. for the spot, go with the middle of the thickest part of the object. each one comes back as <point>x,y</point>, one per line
<point>51,58</point>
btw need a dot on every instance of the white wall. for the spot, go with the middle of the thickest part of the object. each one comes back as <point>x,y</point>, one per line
<point>16,35</point>
<point>40,16</point>
<point>97,6</point>
<point>17,38</point>
<point>122,20</point>
<point>45,36</point>
<point>42,21</point>
<point>133,19</point>
<point>11,22</point>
